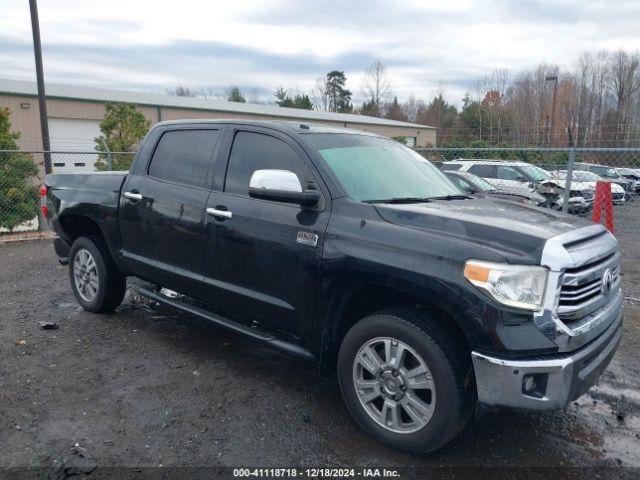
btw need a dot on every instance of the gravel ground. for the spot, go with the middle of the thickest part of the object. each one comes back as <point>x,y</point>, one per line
<point>142,388</point>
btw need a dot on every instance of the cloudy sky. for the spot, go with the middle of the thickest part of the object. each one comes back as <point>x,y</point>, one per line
<point>153,45</point>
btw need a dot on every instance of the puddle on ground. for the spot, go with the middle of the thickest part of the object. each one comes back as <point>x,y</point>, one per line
<point>614,421</point>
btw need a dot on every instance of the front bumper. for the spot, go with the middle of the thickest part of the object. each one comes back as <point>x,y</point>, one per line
<point>557,380</point>
<point>580,205</point>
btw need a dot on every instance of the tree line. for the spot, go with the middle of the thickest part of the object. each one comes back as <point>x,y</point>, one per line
<point>595,103</point>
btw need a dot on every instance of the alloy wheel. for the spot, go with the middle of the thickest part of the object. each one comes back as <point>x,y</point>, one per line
<point>394,385</point>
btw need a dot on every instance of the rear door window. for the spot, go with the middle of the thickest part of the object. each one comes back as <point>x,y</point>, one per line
<point>184,157</point>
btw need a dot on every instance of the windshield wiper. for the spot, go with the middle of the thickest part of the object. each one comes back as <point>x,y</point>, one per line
<point>451,197</point>
<point>400,200</point>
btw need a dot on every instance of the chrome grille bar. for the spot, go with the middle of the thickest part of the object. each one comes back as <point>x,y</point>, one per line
<point>576,310</point>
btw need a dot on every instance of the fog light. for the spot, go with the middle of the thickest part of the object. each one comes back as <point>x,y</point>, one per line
<point>529,383</point>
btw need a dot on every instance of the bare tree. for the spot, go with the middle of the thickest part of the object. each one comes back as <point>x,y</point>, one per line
<point>492,90</point>
<point>320,95</point>
<point>624,83</point>
<point>411,107</point>
<point>376,85</point>
<point>182,91</point>
<point>211,93</point>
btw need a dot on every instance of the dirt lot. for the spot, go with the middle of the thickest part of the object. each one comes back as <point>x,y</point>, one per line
<point>142,388</point>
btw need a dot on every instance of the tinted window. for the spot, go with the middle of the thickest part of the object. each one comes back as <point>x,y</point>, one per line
<point>450,166</point>
<point>486,171</point>
<point>255,151</point>
<point>184,156</point>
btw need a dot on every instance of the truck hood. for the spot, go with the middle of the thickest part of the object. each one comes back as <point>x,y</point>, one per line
<point>503,225</point>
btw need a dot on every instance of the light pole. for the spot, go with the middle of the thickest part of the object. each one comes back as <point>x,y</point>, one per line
<point>554,79</point>
<point>42,102</point>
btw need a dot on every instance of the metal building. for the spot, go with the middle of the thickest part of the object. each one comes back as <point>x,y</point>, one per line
<point>74,114</point>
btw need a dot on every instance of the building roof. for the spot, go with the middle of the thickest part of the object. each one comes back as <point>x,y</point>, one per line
<point>74,92</point>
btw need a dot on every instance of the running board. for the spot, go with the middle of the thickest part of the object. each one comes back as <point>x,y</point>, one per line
<point>261,336</point>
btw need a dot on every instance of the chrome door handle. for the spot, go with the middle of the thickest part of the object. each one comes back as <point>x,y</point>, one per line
<point>214,212</point>
<point>133,196</point>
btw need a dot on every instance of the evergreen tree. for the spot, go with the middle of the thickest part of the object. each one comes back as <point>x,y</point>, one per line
<point>394,111</point>
<point>370,108</point>
<point>235,95</point>
<point>301,101</point>
<point>122,129</point>
<point>18,197</point>
<point>339,98</point>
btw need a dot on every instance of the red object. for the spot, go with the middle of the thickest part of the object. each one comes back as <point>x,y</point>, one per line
<point>43,199</point>
<point>603,199</point>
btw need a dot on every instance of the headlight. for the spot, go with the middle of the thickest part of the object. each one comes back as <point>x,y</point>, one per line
<point>519,286</point>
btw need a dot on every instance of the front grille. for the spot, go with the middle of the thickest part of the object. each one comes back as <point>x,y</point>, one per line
<point>573,295</point>
<point>581,291</point>
<point>618,196</point>
<point>587,194</point>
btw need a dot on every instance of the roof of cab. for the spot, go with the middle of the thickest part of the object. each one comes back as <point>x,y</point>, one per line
<point>282,125</point>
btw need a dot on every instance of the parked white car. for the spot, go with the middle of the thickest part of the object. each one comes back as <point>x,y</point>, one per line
<point>633,175</point>
<point>609,174</point>
<point>518,176</point>
<point>590,179</point>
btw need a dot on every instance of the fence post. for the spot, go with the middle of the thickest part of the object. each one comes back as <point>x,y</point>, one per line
<point>569,178</point>
<point>109,157</point>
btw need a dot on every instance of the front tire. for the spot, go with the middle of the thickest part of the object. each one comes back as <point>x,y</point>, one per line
<point>406,380</point>
<point>96,282</point>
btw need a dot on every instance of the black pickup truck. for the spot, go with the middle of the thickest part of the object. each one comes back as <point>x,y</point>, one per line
<point>349,250</point>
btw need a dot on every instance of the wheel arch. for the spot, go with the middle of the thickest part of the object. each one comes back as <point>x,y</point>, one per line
<point>73,225</point>
<point>358,301</point>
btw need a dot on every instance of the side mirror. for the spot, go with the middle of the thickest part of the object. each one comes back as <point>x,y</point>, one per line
<point>281,186</point>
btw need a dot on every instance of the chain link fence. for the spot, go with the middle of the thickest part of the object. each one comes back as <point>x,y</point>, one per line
<point>590,182</point>
<point>22,174</point>
<point>558,178</point>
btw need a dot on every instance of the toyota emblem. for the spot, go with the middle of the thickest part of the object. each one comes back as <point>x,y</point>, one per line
<point>607,282</point>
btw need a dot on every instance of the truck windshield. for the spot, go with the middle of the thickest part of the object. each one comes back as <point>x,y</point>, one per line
<point>375,169</point>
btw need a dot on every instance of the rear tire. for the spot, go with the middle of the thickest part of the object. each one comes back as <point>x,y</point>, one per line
<point>96,282</point>
<point>396,406</point>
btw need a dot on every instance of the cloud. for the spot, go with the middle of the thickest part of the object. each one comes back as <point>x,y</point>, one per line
<point>259,45</point>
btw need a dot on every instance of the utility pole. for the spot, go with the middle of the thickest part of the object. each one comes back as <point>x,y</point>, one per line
<point>42,100</point>
<point>554,79</point>
<point>570,164</point>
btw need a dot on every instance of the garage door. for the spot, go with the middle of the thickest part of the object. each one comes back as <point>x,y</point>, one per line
<point>73,135</point>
